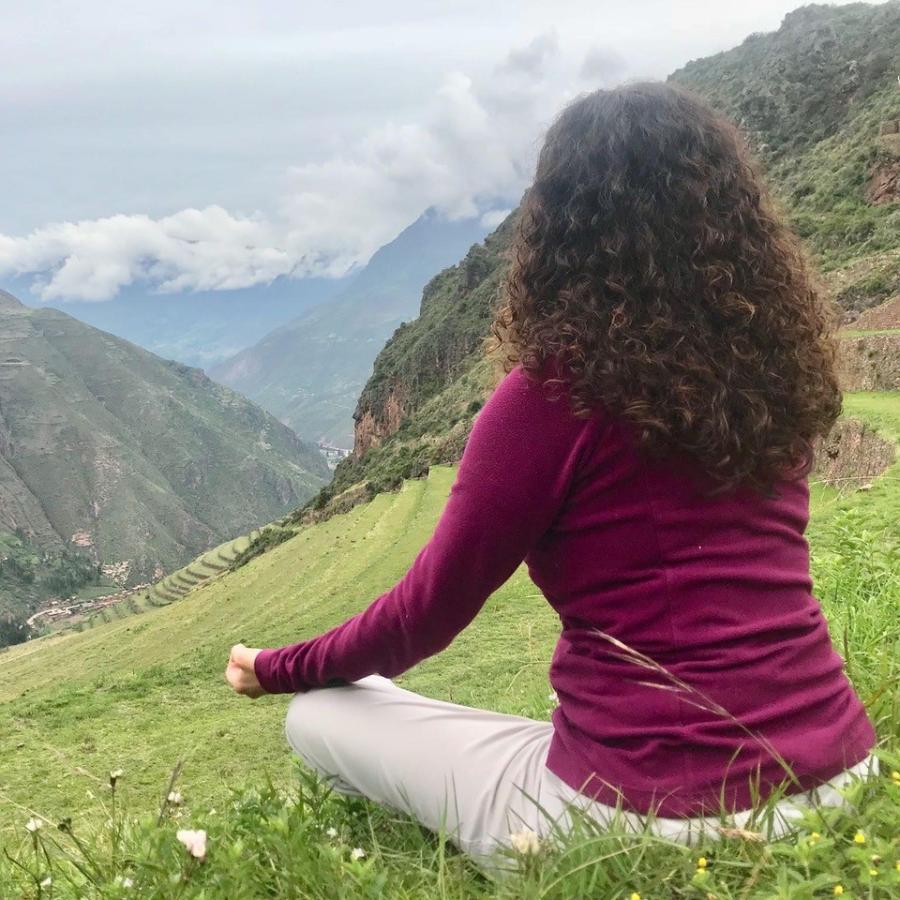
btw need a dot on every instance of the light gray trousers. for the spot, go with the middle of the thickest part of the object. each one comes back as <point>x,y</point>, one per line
<point>475,774</point>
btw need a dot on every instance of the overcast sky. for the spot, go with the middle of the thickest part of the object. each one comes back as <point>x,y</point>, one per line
<point>217,144</point>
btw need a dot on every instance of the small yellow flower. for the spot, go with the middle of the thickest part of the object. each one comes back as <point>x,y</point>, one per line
<point>895,777</point>
<point>635,895</point>
<point>815,837</point>
<point>702,863</point>
<point>873,872</point>
<point>838,890</point>
<point>859,838</point>
<point>897,865</point>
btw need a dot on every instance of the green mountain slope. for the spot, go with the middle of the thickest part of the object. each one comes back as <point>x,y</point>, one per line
<point>136,462</point>
<point>814,95</point>
<point>309,372</point>
<point>142,692</point>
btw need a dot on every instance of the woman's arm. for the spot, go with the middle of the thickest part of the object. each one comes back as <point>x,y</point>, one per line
<point>512,479</point>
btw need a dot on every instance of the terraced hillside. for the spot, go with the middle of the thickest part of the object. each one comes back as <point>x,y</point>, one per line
<point>173,586</point>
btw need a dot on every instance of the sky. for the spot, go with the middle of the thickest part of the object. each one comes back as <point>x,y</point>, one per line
<point>200,145</point>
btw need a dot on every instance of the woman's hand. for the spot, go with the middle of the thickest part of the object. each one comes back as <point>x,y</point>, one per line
<point>240,673</point>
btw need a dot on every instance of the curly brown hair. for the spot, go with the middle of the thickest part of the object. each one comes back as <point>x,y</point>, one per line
<point>650,263</point>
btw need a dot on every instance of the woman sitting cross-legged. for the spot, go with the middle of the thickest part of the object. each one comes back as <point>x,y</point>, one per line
<point>669,369</point>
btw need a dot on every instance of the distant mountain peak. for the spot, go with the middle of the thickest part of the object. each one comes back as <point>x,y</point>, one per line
<point>309,371</point>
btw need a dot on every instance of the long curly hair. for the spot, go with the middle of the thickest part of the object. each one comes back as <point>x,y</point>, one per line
<point>649,262</point>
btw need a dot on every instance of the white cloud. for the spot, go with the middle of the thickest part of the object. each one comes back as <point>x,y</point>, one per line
<point>472,151</point>
<point>193,249</point>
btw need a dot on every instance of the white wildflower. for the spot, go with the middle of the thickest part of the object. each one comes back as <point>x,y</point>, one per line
<point>357,853</point>
<point>525,842</point>
<point>47,882</point>
<point>194,841</point>
<point>175,798</point>
<point>332,832</point>
<point>116,774</point>
<point>33,825</point>
<point>127,883</point>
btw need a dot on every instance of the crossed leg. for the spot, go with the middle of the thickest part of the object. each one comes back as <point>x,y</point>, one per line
<point>476,774</point>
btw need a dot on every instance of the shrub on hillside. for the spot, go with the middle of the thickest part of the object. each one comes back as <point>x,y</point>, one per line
<point>13,630</point>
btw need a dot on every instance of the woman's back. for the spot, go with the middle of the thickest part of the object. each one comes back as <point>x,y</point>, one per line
<point>691,642</point>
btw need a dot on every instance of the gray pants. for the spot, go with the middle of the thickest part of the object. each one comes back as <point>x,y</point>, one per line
<point>478,775</point>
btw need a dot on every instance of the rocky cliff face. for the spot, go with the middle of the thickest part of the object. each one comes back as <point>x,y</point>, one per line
<point>884,176</point>
<point>852,456</point>
<point>371,431</point>
<point>870,362</point>
<point>424,357</point>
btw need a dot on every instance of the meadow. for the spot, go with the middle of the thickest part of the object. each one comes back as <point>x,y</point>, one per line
<point>143,697</point>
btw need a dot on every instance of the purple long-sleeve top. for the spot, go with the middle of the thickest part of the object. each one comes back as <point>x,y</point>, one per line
<point>693,659</point>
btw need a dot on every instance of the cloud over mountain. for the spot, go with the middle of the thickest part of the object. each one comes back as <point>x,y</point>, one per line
<point>471,152</point>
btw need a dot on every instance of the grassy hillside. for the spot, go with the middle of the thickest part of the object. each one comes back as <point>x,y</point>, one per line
<point>132,461</point>
<point>813,97</point>
<point>144,692</point>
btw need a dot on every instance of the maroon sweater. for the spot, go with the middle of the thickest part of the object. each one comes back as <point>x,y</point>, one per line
<point>692,653</point>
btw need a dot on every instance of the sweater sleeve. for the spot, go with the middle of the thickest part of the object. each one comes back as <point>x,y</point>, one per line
<point>511,482</point>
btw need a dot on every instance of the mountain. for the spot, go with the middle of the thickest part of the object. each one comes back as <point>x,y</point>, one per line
<point>131,461</point>
<point>309,372</point>
<point>199,328</point>
<point>821,102</point>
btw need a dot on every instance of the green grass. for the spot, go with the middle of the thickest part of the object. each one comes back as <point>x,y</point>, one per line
<point>141,693</point>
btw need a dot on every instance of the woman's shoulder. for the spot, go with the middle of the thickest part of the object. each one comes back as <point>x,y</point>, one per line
<point>526,385</point>
<point>543,394</point>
